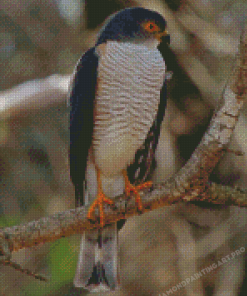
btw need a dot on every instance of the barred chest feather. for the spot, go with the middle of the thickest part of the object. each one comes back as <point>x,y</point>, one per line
<point>130,78</point>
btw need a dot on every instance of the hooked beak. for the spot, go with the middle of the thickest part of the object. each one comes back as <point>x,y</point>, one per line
<point>163,37</point>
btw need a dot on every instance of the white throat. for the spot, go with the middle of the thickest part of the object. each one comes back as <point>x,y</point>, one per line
<point>151,43</point>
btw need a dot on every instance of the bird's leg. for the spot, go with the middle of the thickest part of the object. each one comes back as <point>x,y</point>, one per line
<point>135,189</point>
<point>99,201</point>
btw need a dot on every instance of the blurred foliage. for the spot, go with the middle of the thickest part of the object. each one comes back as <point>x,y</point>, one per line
<point>62,260</point>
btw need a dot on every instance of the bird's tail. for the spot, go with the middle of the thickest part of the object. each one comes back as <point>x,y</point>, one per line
<point>97,267</point>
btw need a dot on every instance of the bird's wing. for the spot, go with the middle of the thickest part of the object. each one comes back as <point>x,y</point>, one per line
<point>143,166</point>
<point>81,119</point>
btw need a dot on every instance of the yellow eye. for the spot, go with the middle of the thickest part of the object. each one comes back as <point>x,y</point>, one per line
<point>151,27</point>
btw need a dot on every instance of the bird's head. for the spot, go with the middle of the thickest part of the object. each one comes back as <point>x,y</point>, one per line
<point>138,25</point>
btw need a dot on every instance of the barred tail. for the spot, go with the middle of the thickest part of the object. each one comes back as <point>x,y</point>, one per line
<point>97,268</point>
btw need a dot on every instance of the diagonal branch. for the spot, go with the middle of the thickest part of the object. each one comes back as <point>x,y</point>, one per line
<point>75,221</point>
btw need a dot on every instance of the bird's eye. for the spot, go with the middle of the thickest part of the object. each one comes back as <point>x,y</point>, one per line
<point>151,27</point>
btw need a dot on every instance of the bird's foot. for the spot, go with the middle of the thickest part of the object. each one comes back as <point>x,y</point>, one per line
<point>99,202</point>
<point>135,189</point>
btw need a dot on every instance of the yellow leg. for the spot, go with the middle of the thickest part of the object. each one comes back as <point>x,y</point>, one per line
<point>99,202</point>
<point>135,189</point>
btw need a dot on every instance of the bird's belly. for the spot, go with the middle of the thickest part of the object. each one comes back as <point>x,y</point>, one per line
<point>116,150</point>
<point>130,78</point>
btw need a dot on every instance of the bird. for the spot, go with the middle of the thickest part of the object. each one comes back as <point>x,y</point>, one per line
<point>117,101</point>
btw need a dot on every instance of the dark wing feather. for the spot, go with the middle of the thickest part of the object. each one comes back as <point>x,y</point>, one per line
<point>81,119</point>
<point>144,164</point>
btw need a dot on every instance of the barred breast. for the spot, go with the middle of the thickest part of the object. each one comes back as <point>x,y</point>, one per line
<point>130,78</point>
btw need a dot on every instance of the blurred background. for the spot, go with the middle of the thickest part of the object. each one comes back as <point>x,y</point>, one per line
<point>40,44</point>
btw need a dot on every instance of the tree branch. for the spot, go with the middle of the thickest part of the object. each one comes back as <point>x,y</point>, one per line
<point>75,221</point>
